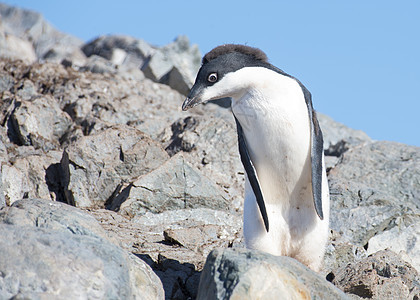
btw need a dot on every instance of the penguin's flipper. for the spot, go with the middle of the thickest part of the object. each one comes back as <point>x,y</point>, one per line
<point>251,173</point>
<point>317,152</point>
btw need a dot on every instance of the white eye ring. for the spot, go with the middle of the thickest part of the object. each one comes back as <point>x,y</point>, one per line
<point>212,77</point>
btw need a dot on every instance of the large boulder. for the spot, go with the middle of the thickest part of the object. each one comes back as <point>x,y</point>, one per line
<point>374,188</point>
<point>51,250</point>
<point>120,50</point>
<point>38,122</point>
<point>174,185</point>
<point>27,174</point>
<point>208,140</point>
<point>246,274</point>
<point>175,64</point>
<point>16,48</point>
<point>26,25</point>
<point>99,163</point>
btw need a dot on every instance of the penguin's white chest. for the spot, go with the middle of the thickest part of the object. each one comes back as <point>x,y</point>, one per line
<point>275,121</point>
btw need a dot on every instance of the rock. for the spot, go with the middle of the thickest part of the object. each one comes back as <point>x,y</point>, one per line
<point>178,80</point>
<point>27,128</point>
<point>401,240</point>
<point>2,198</point>
<point>99,163</point>
<point>175,64</point>
<point>63,258</point>
<point>31,26</point>
<point>26,175</point>
<point>72,56</point>
<point>209,143</point>
<point>13,47</point>
<point>372,187</point>
<point>176,265</point>
<point>120,50</point>
<point>247,274</point>
<point>382,275</point>
<point>338,138</point>
<point>52,216</point>
<point>185,58</point>
<point>339,253</point>
<point>98,64</point>
<point>174,185</point>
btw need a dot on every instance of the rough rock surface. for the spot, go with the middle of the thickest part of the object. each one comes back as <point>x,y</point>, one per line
<point>382,275</point>
<point>174,243</point>
<point>51,249</point>
<point>85,125</point>
<point>47,42</point>
<point>100,162</point>
<point>175,185</point>
<point>244,274</point>
<point>375,187</point>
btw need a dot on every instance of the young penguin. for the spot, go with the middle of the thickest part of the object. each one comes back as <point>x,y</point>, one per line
<point>286,207</point>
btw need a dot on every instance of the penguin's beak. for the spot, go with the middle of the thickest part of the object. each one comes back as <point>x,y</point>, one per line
<point>190,103</point>
<point>193,98</point>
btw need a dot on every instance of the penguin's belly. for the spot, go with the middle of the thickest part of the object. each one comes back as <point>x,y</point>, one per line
<point>278,140</point>
<point>277,133</point>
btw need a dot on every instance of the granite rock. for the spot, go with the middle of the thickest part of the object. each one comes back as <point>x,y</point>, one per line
<point>31,26</point>
<point>382,275</point>
<point>174,185</point>
<point>373,187</point>
<point>50,250</point>
<point>27,128</point>
<point>247,274</point>
<point>101,162</point>
<point>177,265</point>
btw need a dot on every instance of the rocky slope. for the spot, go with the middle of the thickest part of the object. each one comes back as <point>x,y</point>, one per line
<point>108,190</point>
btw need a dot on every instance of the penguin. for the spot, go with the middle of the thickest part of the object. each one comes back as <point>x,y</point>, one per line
<point>286,205</point>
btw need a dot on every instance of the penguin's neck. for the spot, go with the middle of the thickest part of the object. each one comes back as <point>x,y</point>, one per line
<point>275,121</point>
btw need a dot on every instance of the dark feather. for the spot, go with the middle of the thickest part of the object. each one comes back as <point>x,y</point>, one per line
<point>251,173</point>
<point>317,149</point>
<point>256,53</point>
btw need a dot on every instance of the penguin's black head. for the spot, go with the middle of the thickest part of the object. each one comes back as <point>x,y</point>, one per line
<point>222,60</point>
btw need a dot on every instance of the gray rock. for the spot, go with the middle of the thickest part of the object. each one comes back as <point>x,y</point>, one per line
<point>98,64</point>
<point>401,240</point>
<point>2,198</point>
<point>246,274</point>
<point>6,84</point>
<point>209,143</point>
<point>26,174</point>
<point>338,138</point>
<point>373,188</point>
<point>178,80</point>
<point>53,216</point>
<point>13,47</point>
<point>382,275</point>
<point>185,58</point>
<point>177,266</point>
<point>99,163</point>
<point>61,53</point>
<point>174,185</point>
<point>339,252</point>
<point>66,250</point>
<point>120,50</point>
<point>41,132</point>
<point>31,26</point>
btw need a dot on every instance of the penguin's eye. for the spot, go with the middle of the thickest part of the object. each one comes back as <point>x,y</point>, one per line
<point>212,77</point>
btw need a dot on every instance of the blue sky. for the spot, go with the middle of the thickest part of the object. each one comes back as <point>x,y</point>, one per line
<point>359,59</point>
